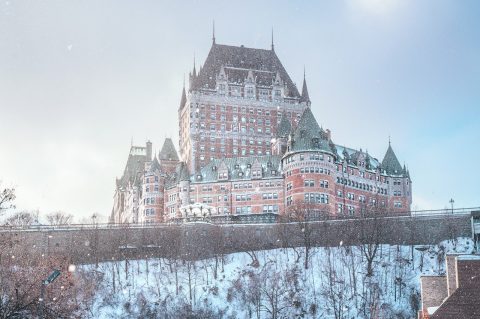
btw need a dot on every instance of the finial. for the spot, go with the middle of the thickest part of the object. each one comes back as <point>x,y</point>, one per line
<point>389,142</point>
<point>304,72</point>
<point>273,46</point>
<point>184,81</point>
<point>213,32</point>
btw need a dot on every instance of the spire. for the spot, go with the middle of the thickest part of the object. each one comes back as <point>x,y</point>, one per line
<point>183,99</point>
<point>213,32</point>
<point>194,69</point>
<point>305,97</point>
<point>273,46</point>
<point>390,162</point>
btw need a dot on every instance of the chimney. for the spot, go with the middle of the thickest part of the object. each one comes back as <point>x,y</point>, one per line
<point>451,266</point>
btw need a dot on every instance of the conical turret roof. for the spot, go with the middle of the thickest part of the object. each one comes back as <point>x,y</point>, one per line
<point>390,162</point>
<point>309,136</point>
<point>168,151</point>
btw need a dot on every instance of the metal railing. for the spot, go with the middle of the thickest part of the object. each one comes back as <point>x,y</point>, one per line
<point>268,218</point>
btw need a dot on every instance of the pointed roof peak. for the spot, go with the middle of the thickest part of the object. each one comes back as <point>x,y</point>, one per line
<point>213,31</point>
<point>168,151</point>
<point>273,46</point>
<point>305,96</point>
<point>183,99</point>
<point>194,73</point>
<point>390,162</point>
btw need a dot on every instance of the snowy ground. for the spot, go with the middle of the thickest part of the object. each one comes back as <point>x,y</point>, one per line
<point>272,284</point>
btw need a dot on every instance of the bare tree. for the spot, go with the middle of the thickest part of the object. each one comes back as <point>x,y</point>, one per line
<point>59,218</point>
<point>371,233</point>
<point>23,219</point>
<point>7,196</point>
<point>21,282</point>
<point>303,214</point>
<point>334,287</point>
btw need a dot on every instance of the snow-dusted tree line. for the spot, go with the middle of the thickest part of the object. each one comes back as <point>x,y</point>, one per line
<point>339,282</point>
<point>368,280</point>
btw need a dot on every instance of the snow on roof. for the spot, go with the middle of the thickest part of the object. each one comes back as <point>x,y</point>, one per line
<point>468,257</point>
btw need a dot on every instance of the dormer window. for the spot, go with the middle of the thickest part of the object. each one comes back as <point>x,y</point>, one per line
<point>221,88</point>
<point>250,92</point>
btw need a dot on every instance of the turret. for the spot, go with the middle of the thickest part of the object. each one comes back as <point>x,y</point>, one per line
<point>308,165</point>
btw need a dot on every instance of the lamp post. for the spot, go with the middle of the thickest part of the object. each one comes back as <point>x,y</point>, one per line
<point>451,203</point>
<point>45,283</point>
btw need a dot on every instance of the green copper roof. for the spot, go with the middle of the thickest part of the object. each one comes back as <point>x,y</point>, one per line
<point>168,151</point>
<point>309,136</point>
<point>284,127</point>
<point>390,163</point>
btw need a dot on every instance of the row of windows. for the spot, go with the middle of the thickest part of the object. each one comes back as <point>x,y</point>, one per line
<point>243,151</point>
<point>242,198</point>
<point>149,200</point>
<point>363,186</point>
<point>270,196</point>
<point>351,196</point>
<point>362,174</point>
<point>207,200</point>
<point>315,157</point>
<point>311,183</point>
<point>244,210</point>
<point>350,209</point>
<point>270,208</point>
<point>224,108</point>
<point>317,170</point>
<point>149,212</point>
<point>147,180</point>
<point>316,198</point>
<point>155,188</point>
<point>234,128</point>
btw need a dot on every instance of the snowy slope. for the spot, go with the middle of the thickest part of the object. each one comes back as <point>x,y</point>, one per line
<point>272,284</point>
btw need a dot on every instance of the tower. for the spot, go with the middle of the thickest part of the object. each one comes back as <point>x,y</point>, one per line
<point>234,104</point>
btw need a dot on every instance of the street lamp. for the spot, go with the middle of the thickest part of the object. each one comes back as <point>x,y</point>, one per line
<point>45,283</point>
<point>451,203</point>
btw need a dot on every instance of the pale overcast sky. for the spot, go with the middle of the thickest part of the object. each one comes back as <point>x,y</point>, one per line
<point>79,79</point>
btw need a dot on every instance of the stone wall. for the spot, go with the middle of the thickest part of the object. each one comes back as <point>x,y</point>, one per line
<point>202,240</point>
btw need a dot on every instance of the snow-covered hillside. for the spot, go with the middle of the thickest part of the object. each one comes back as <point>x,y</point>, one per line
<point>273,284</point>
